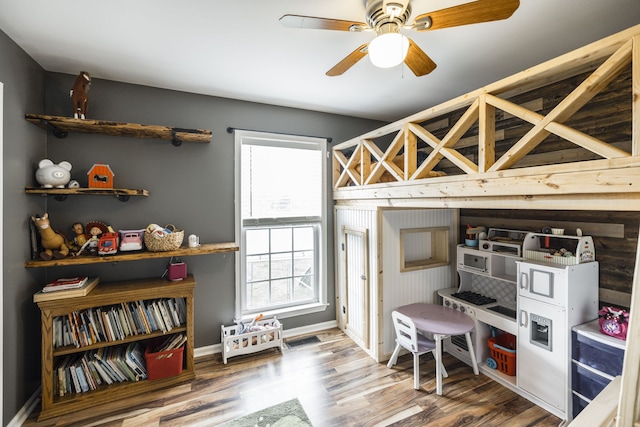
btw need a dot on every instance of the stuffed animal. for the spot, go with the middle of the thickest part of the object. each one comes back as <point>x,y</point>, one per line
<point>53,243</point>
<point>79,95</point>
<point>50,175</point>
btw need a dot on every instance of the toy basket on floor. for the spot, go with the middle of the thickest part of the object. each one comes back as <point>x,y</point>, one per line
<point>503,354</point>
<point>162,242</point>
<point>235,343</point>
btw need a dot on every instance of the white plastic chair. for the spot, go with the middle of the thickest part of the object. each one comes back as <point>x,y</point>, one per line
<point>407,337</point>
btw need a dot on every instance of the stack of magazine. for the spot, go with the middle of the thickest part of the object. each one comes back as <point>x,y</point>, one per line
<point>86,372</point>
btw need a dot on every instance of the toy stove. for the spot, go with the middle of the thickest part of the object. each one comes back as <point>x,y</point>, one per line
<point>473,304</point>
<point>473,298</point>
<point>458,344</point>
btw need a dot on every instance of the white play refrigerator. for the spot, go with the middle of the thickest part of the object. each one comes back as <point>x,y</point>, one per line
<point>552,299</point>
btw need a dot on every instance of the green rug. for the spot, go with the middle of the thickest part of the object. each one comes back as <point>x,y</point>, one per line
<point>285,414</point>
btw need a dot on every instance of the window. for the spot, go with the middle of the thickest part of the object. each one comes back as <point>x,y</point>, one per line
<point>281,211</point>
<point>423,248</point>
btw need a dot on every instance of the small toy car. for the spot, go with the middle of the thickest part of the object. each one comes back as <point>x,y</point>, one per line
<point>108,244</point>
<point>131,240</point>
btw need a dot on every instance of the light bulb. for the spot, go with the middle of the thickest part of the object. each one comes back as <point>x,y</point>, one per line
<point>388,50</point>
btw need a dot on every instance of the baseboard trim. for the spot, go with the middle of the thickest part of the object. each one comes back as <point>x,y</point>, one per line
<point>26,409</point>
<point>33,401</point>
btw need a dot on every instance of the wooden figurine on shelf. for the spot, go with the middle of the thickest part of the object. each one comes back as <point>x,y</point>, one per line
<point>54,243</point>
<point>79,95</point>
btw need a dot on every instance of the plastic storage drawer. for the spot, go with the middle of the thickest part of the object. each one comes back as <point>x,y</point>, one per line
<point>578,404</point>
<point>587,382</point>
<point>598,355</point>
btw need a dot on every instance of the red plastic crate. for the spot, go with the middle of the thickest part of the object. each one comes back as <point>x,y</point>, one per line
<point>503,351</point>
<point>163,364</point>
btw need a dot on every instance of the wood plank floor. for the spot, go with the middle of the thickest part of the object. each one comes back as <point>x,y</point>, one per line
<point>337,383</point>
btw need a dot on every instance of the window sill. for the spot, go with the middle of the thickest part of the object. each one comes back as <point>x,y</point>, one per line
<point>299,310</point>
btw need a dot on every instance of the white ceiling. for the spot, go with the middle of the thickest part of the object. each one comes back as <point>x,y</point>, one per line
<point>238,48</point>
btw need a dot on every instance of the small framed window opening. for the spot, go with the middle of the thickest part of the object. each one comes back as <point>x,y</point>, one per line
<point>422,248</point>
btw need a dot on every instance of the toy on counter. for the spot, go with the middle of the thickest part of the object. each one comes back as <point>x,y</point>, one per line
<point>50,175</point>
<point>79,95</point>
<point>614,322</point>
<point>472,233</point>
<point>55,244</point>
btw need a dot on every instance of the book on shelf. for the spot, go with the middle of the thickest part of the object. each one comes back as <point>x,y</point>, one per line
<point>111,323</point>
<point>66,290</point>
<point>65,283</point>
<point>86,371</point>
<point>171,343</point>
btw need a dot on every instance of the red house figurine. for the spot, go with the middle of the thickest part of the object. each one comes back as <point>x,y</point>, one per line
<point>100,176</point>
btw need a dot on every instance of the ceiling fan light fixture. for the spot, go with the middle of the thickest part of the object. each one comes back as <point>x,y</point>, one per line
<point>388,50</point>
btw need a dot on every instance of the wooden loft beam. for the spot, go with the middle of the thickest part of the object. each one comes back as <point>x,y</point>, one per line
<point>635,96</point>
<point>487,143</point>
<point>568,106</point>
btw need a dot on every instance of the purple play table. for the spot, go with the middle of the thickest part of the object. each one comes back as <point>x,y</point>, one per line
<point>441,322</point>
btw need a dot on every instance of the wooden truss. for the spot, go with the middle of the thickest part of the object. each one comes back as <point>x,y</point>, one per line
<point>391,174</point>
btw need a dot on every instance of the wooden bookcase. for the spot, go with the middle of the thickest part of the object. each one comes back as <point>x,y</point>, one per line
<point>106,294</point>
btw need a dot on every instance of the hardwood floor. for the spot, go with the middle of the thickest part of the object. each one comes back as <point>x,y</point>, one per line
<point>336,382</point>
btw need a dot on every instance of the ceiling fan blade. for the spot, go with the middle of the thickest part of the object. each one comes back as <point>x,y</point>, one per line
<point>465,14</point>
<point>349,61</point>
<point>314,23</point>
<point>418,61</point>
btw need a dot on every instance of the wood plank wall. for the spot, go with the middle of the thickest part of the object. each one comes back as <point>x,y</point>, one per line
<point>607,117</point>
<point>615,237</point>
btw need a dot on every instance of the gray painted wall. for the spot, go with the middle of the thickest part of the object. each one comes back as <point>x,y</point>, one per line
<point>190,186</point>
<point>23,83</point>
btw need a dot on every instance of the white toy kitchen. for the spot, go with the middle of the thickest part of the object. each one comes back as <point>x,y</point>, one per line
<point>525,291</point>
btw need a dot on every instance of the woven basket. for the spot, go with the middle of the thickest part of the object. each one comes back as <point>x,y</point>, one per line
<point>168,242</point>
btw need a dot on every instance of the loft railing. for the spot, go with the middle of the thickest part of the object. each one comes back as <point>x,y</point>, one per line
<point>498,133</point>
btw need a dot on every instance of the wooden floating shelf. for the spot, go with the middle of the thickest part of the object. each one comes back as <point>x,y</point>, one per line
<point>61,126</point>
<point>122,194</point>
<point>208,248</point>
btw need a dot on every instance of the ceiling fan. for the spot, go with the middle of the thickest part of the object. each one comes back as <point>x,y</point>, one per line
<point>387,17</point>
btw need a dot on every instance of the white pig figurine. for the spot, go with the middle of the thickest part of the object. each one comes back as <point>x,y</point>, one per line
<point>50,175</point>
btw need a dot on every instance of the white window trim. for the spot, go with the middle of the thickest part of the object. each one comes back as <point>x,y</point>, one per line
<point>299,310</point>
